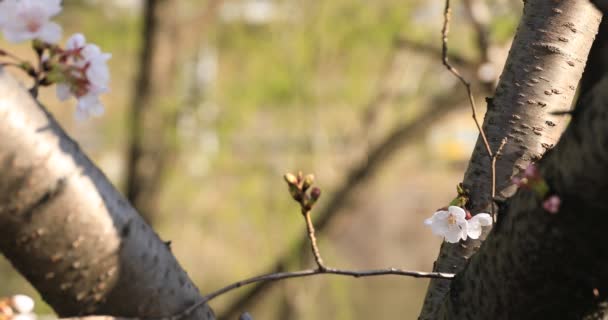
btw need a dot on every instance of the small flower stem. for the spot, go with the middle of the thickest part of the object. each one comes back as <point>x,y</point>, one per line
<point>306,273</point>
<point>444,57</point>
<point>494,158</point>
<point>37,78</point>
<point>313,240</point>
<point>10,64</point>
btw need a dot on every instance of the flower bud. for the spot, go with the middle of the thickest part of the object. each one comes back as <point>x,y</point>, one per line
<point>552,204</point>
<point>290,179</point>
<point>315,194</point>
<point>308,181</point>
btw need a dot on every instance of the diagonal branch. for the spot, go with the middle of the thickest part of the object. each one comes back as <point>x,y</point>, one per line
<point>540,76</point>
<point>541,265</point>
<point>66,229</point>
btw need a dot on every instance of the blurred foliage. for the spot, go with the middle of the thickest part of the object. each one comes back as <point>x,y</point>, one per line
<point>260,99</point>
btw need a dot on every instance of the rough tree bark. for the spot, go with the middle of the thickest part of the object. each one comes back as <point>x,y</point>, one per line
<point>70,233</point>
<point>537,265</point>
<point>541,74</point>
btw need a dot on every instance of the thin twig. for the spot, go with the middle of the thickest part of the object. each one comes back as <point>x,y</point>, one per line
<point>456,73</point>
<point>298,187</point>
<point>435,52</point>
<point>307,273</point>
<point>494,158</point>
<point>492,155</point>
<point>36,86</point>
<point>313,240</point>
<point>10,64</point>
<point>377,156</point>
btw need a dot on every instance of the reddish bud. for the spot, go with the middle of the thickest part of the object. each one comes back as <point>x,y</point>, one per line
<point>315,194</point>
<point>552,203</point>
<point>532,172</point>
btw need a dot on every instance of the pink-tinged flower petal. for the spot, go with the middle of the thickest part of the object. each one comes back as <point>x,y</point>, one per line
<point>552,204</point>
<point>532,171</point>
<point>53,7</point>
<point>88,106</point>
<point>75,41</point>
<point>63,91</point>
<point>516,181</point>
<point>23,20</point>
<point>86,74</point>
<point>51,33</point>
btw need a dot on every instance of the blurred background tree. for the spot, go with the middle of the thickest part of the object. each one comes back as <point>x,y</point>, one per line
<point>236,92</point>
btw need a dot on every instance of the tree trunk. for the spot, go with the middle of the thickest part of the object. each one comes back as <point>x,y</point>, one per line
<point>537,265</point>
<point>151,116</point>
<point>70,233</point>
<point>541,74</point>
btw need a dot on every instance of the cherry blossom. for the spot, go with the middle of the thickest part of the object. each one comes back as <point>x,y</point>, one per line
<point>451,224</point>
<point>455,224</point>
<point>85,75</point>
<point>22,20</point>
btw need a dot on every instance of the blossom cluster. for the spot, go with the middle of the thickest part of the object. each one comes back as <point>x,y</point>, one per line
<point>455,224</point>
<point>80,69</point>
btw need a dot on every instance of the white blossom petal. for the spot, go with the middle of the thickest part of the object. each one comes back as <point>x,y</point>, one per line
<point>24,316</point>
<point>29,19</point>
<point>22,303</point>
<point>457,211</point>
<point>75,41</point>
<point>88,105</point>
<point>476,223</point>
<point>484,219</point>
<point>51,33</point>
<point>450,224</point>
<point>453,236</point>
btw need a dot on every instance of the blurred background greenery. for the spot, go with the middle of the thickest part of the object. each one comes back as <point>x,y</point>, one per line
<point>243,91</point>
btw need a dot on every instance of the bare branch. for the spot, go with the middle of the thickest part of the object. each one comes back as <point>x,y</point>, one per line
<point>454,71</point>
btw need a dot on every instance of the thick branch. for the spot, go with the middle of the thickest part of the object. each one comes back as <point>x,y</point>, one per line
<point>540,76</point>
<point>537,265</point>
<point>69,232</point>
